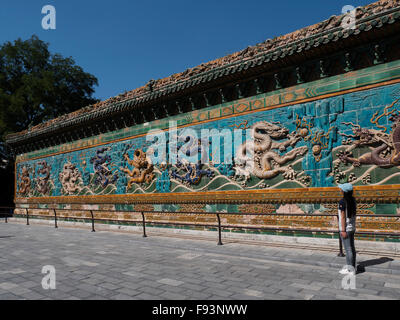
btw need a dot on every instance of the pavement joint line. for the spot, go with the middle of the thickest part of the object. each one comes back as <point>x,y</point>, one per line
<point>289,262</point>
<point>189,256</point>
<point>253,293</point>
<point>171,282</point>
<point>372,272</point>
<point>392,285</point>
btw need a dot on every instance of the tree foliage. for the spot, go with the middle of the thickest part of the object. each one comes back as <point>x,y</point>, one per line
<point>36,86</point>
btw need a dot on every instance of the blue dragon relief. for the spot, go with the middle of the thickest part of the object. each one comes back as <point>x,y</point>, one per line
<point>103,175</point>
<point>192,172</point>
<point>186,171</point>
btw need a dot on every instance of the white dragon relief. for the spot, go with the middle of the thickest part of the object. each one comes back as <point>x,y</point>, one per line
<point>258,156</point>
<point>69,178</point>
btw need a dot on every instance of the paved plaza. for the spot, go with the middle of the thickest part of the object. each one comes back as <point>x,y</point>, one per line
<point>116,265</point>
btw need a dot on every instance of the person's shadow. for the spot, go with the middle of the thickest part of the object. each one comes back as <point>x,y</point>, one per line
<point>361,266</point>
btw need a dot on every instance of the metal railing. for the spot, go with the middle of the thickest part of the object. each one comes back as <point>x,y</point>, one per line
<point>219,225</point>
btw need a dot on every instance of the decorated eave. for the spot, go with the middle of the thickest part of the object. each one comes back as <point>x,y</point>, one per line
<point>327,53</point>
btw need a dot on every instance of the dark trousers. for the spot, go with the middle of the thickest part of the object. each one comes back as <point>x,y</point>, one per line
<point>350,249</point>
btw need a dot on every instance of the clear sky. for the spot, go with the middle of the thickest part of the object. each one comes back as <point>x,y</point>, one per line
<point>125,43</point>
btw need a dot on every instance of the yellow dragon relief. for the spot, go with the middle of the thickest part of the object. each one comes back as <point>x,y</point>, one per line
<point>142,168</point>
<point>25,182</point>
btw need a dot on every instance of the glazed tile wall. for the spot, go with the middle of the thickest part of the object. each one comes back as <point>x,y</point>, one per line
<point>350,137</point>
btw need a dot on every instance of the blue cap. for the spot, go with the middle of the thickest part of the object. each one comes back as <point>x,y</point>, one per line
<point>346,187</point>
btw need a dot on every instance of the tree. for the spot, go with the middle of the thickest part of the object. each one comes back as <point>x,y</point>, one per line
<point>36,86</point>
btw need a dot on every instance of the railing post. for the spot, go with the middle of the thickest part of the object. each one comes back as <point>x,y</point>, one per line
<point>144,225</point>
<point>55,219</point>
<point>91,212</point>
<point>219,231</point>
<point>27,217</point>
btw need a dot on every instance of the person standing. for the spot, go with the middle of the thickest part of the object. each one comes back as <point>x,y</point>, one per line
<point>347,226</point>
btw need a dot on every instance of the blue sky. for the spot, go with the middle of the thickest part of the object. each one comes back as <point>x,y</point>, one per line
<point>125,43</point>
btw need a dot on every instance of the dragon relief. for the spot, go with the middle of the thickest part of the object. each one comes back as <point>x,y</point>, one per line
<point>142,168</point>
<point>385,146</point>
<point>260,158</point>
<point>104,176</point>
<point>70,179</point>
<point>43,181</point>
<point>24,186</point>
<point>192,172</point>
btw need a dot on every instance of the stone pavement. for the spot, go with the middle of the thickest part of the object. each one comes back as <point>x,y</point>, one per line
<point>113,265</point>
